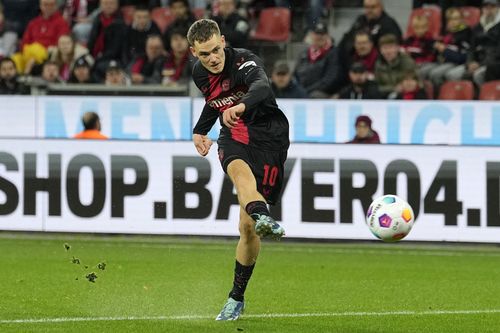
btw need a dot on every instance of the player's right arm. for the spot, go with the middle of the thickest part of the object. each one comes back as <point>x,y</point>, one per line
<point>207,119</point>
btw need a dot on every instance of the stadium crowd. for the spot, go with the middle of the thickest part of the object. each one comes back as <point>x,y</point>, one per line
<point>123,43</point>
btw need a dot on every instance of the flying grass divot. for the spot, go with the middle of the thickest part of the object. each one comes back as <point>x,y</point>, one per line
<point>90,276</point>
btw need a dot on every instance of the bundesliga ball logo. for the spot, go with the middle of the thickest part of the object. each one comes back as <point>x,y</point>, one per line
<point>390,218</point>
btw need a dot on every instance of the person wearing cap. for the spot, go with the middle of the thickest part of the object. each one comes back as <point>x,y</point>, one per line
<point>283,84</point>
<point>485,39</point>
<point>360,87</point>
<point>115,76</point>
<point>318,67</point>
<point>364,131</point>
<point>392,64</point>
<point>374,20</point>
<point>91,127</point>
<point>82,70</point>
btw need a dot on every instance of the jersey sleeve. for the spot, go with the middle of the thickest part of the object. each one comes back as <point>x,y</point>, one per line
<point>206,121</point>
<point>251,73</point>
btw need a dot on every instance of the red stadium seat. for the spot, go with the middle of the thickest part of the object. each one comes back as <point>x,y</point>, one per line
<point>128,14</point>
<point>429,89</point>
<point>457,90</point>
<point>490,91</point>
<point>433,13</point>
<point>273,25</point>
<point>162,17</point>
<point>471,15</point>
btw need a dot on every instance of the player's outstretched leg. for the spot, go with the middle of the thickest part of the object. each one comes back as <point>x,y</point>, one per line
<point>247,252</point>
<point>265,225</point>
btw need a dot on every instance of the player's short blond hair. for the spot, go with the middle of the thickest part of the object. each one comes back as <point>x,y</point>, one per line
<point>202,30</point>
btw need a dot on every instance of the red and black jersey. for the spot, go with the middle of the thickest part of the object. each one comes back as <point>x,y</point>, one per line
<point>263,125</point>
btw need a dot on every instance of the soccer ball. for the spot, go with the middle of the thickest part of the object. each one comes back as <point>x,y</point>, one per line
<point>390,218</point>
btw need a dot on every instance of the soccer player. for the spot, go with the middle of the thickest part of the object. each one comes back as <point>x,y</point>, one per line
<point>252,144</point>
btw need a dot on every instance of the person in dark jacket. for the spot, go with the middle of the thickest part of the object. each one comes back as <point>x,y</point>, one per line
<point>283,84</point>
<point>360,87</point>
<point>364,131</point>
<point>231,24</point>
<point>18,13</point>
<point>420,45</point>
<point>374,20</point>
<point>147,68</point>
<point>142,26</point>
<point>81,72</point>
<point>485,38</point>
<point>318,67</point>
<point>9,84</point>
<point>183,19</point>
<point>451,50</point>
<point>107,36</point>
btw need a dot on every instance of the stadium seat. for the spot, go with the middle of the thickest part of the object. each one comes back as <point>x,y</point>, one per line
<point>490,91</point>
<point>471,15</point>
<point>457,90</point>
<point>162,17</point>
<point>273,25</point>
<point>433,13</point>
<point>128,14</point>
<point>429,89</point>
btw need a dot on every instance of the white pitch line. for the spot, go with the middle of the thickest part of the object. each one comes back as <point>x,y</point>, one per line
<point>262,315</point>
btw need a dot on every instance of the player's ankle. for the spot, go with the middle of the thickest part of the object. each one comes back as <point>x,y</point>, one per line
<point>257,207</point>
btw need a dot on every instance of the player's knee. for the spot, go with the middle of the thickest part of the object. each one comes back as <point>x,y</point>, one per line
<point>247,228</point>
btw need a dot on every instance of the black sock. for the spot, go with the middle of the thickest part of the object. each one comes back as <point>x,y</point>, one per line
<point>241,276</point>
<point>257,207</point>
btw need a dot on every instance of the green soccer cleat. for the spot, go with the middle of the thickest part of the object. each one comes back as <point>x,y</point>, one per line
<point>266,227</point>
<point>231,310</point>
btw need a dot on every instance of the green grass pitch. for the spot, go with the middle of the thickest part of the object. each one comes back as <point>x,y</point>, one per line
<point>171,284</point>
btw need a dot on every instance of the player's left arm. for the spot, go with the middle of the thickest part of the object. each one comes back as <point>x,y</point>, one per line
<point>251,73</point>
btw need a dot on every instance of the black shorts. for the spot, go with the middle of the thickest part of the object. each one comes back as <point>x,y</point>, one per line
<point>268,167</point>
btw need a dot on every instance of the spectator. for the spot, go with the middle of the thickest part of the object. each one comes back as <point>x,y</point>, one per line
<point>91,127</point>
<point>364,131</point>
<point>79,14</point>
<point>65,55</point>
<point>9,84</point>
<point>375,20</point>
<point>115,76</point>
<point>8,39</point>
<point>364,51</point>
<point>18,13</point>
<point>183,20</point>
<point>47,27</point>
<point>232,25</point>
<point>392,65</point>
<point>313,8</point>
<point>142,27</point>
<point>420,45</point>
<point>148,68</point>
<point>410,88</point>
<point>283,84</point>
<point>107,37</point>
<point>360,87</point>
<point>485,38</point>
<point>50,72</point>
<point>81,72</point>
<point>318,69</point>
<point>452,50</point>
<point>179,63</point>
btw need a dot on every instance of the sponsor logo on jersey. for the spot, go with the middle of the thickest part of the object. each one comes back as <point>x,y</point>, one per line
<point>226,101</point>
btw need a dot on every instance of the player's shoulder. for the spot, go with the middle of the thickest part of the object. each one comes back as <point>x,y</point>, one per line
<point>243,58</point>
